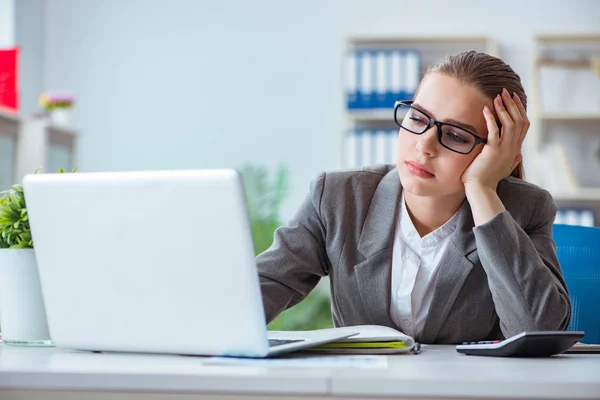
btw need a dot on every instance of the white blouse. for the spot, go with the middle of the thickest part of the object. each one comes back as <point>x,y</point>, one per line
<point>415,266</point>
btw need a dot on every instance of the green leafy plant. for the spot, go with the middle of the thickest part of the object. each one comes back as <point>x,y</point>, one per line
<point>15,232</point>
<point>14,221</point>
<point>265,197</point>
<point>264,200</point>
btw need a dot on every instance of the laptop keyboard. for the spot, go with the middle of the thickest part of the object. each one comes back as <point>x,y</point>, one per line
<point>279,342</point>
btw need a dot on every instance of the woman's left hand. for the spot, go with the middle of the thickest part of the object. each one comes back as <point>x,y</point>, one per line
<point>500,155</point>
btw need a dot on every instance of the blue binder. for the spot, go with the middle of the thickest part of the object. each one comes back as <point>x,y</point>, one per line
<point>366,79</point>
<point>396,75</point>
<point>412,71</point>
<point>352,79</point>
<point>382,81</point>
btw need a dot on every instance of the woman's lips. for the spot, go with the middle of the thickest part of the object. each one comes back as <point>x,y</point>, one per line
<point>418,169</point>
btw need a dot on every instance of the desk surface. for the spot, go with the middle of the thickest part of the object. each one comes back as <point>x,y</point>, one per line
<point>439,371</point>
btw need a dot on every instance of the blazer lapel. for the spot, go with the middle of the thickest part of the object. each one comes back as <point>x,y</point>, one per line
<point>376,244</point>
<point>455,267</point>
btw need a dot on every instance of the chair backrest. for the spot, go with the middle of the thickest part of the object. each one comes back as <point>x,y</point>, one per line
<point>578,250</point>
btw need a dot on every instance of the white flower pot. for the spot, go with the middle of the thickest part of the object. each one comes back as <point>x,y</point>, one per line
<point>22,313</point>
<point>61,117</point>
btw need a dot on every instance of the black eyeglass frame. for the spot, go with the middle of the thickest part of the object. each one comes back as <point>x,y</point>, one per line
<point>438,124</point>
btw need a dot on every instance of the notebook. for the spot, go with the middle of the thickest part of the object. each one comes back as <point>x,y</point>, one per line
<point>152,261</point>
<point>370,339</point>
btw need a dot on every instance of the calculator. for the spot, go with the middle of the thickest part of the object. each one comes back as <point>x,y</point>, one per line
<point>525,344</point>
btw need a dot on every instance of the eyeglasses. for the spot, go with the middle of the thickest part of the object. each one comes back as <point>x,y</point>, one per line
<point>450,136</point>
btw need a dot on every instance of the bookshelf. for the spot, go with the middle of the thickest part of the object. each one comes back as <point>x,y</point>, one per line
<point>369,134</point>
<point>33,143</point>
<point>563,144</point>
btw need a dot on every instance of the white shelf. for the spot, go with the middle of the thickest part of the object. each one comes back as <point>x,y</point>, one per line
<point>372,115</point>
<point>62,136</point>
<point>369,40</point>
<point>570,116</point>
<point>562,65</point>
<point>32,138</point>
<point>582,194</point>
<point>568,37</point>
<point>9,124</point>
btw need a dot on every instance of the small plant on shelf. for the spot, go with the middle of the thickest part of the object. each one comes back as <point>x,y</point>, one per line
<point>54,101</point>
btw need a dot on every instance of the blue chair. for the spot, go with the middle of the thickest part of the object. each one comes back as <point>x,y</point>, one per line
<point>578,250</point>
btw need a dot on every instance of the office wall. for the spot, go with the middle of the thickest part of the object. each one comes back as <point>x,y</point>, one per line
<point>6,40</point>
<point>30,34</point>
<point>194,84</point>
<point>7,26</point>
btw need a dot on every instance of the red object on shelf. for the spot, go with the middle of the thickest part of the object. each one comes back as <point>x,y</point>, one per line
<point>9,91</point>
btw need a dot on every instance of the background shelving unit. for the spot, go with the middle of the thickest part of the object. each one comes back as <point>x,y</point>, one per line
<point>9,131</point>
<point>27,144</point>
<point>563,146</point>
<point>380,120</point>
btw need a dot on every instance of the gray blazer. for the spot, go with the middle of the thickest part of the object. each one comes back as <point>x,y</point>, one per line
<point>495,280</point>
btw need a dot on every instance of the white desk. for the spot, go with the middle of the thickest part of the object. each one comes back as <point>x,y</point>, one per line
<point>48,373</point>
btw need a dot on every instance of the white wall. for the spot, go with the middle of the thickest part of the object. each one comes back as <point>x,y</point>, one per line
<point>194,84</point>
<point>7,23</point>
<point>30,34</point>
<point>6,40</point>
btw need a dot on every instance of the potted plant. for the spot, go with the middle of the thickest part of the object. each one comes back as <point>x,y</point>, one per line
<point>22,312</point>
<point>58,106</point>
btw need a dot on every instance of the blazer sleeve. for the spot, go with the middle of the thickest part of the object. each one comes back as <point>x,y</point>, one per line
<point>297,259</point>
<point>523,272</point>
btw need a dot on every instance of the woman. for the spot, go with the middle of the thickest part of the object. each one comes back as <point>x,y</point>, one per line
<point>451,244</point>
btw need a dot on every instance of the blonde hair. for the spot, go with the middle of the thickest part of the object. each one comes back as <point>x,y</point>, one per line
<point>486,73</point>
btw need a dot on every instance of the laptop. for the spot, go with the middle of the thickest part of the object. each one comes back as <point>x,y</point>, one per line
<point>152,261</point>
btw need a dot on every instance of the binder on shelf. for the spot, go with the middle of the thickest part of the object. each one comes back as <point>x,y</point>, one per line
<point>378,78</point>
<point>366,150</point>
<point>389,95</point>
<point>412,72</point>
<point>364,147</point>
<point>572,216</point>
<point>393,145</point>
<point>396,75</point>
<point>366,89</point>
<point>381,79</point>
<point>352,74</point>
<point>587,218</point>
<point>381,147</point>
<point>351,150</point>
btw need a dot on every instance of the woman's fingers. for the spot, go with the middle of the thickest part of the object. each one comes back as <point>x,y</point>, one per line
<point>523,113</point>
<point>493,135</point>
<point>514,112</point>
<point>503,116</point>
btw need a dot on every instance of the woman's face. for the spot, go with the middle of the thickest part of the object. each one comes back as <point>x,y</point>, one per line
<point>426,168</point>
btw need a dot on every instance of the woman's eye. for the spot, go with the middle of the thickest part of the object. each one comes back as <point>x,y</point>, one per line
<point>456,138</point>
<point>417,120</point>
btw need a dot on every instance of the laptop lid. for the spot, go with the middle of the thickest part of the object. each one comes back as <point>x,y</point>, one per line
<point>157,261</point>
